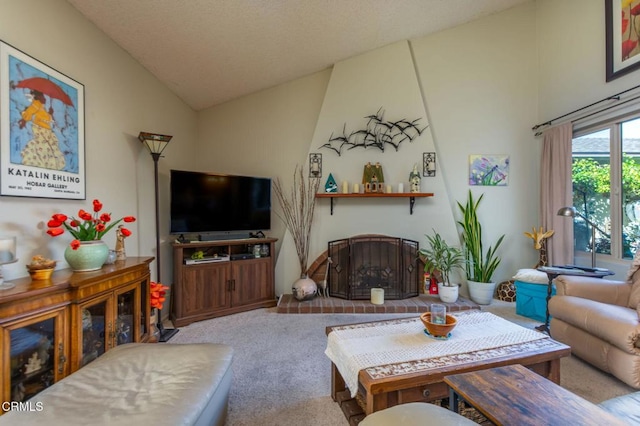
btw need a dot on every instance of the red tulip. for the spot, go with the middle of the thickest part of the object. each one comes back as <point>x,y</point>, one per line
<point>54,232</point>
<point>59,217</point>
<point>97,205</point>
<point>54,223</point>
<point>125,232</point>
<point>75,244</point>
<point>74,223</point>
<point>100,227</point>
<point>84,215</point>
<point>105,217</point>
<point>129,219</point>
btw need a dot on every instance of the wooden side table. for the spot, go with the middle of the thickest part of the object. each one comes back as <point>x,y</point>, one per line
<point>516,395</point>
<point>554,271</point>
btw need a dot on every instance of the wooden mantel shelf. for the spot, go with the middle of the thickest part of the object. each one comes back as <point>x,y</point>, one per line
<point>410,195</point>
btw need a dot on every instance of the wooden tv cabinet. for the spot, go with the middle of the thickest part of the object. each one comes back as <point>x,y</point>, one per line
<point>228,280</point>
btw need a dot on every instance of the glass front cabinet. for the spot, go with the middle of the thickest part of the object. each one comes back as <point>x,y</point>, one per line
<point>36,350</point>
<point>51,328</point>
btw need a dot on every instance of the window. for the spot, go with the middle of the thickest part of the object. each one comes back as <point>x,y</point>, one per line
<point>606,189</point>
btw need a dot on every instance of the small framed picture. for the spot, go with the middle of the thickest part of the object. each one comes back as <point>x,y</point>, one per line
<point>489,170</point>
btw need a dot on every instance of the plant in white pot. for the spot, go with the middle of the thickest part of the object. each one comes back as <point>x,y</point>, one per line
<point>480,265</point>
<point>297,213</point>
<point>441,258</point>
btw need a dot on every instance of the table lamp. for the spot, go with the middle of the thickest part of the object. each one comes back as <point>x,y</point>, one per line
<point>572,212</point>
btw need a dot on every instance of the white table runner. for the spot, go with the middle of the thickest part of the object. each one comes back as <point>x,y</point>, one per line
<point>355,347</point>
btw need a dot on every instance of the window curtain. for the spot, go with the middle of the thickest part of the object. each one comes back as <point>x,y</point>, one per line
<point>556,191</point>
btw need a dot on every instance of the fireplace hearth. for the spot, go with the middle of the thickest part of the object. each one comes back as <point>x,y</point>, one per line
<point>361,263</point>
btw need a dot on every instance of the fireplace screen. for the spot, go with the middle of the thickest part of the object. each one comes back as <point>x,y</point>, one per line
<point>362,263</point>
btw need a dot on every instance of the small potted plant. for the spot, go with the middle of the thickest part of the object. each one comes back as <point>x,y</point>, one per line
<point>442,258</point>
<point>480,265</point>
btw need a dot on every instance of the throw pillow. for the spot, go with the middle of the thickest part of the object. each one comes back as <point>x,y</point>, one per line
<point>531,276</point>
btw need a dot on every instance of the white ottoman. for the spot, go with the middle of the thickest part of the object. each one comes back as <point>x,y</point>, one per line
<point>415,414</point>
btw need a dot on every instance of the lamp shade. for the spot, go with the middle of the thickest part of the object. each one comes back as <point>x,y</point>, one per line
<point>567,212</point>
<point>154,142</point>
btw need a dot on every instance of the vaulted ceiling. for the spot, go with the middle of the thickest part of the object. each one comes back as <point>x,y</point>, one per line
<point>212,51</point>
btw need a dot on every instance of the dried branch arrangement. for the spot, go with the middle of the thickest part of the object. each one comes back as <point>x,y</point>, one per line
<point>297,208</point>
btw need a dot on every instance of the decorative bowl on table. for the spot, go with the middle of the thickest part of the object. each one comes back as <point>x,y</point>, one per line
<point>41,268</point>
<point>438,330</point>
<point>41,274</point>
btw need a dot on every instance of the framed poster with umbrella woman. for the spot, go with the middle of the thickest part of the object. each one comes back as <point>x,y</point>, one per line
<point>42,129</point>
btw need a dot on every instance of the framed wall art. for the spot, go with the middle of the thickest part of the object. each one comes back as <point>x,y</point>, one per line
<point>42,133</point>
<point>489,170</point>
<point>622,37</point>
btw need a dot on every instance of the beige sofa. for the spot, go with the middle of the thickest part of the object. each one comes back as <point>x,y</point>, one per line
<point>600,320</point>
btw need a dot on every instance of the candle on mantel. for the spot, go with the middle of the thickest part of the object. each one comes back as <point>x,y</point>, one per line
<point>388,191</point>
<point>400,187</point>
<point>356,188</point>
<point>345,187</point>
<point>377,296</point>
<point>7,249</point>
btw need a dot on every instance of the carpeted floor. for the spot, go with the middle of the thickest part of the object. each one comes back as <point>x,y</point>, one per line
<point>281,375</point>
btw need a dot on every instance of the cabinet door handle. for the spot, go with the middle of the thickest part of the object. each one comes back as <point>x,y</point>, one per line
<point>61,359</point>
<point>234,285</point>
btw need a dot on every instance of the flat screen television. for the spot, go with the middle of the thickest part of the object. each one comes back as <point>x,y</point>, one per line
<point>209,202</point>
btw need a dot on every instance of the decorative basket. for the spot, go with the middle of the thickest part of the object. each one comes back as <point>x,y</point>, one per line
<point>438,330</point>
<point>41,274</point>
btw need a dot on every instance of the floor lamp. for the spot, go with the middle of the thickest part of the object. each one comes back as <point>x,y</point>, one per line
<point>156,144</point>
<point>572,212</point>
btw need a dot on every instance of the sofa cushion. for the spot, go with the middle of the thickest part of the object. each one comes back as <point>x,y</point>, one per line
<point>633,277</point>
<point>617,325</point>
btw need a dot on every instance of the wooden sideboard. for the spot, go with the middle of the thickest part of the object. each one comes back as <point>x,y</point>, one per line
<point>51,328</point>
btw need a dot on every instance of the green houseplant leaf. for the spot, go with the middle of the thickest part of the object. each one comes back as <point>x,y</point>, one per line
<point>480,265</point>
<point>441,257</point>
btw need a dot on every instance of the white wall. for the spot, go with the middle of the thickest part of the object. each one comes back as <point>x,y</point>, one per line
<point>121,99</point>
<point>571,70</point>
<point>479,83</point>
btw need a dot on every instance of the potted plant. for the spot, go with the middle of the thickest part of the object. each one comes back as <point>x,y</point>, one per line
<point>297,214</point>
<point>480,265</point>
<point>441,258</point>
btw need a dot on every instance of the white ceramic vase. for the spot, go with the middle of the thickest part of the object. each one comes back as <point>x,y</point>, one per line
<point>481,293</point>
<point>448,294</point>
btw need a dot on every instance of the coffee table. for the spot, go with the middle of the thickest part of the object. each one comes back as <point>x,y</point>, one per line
<point>386,385</point>
<point>515,395</point>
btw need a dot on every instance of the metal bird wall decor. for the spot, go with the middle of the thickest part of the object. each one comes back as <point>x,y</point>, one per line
<point>378,133</point>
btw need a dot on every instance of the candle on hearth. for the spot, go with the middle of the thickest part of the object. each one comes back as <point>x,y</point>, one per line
<point>356,188</point>
<point>377,296</point>
<point>345,187</point>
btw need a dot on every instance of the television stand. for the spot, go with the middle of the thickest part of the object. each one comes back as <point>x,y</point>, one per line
<point>237,282</point>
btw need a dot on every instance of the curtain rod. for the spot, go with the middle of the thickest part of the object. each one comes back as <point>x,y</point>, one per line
<point>615,97</point>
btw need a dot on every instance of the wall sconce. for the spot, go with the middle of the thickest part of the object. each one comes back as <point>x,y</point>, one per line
<point>428,164</point>
<point>7,255</point>
<point>315,165</point>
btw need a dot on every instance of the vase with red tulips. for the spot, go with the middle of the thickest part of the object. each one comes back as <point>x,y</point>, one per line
<point>87,252</point>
